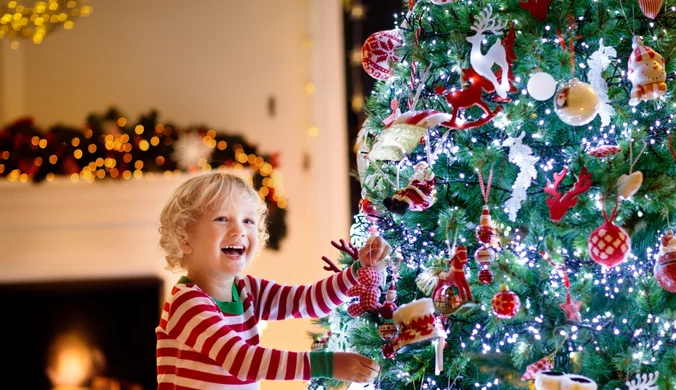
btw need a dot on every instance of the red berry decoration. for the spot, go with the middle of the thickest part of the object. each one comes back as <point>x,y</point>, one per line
<point>388,351</point>
<point>486,276</point>
<point>379,52</point>
<point>665,268</point>
<point>505,303</point>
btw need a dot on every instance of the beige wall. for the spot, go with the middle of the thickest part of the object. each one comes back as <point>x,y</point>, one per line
<point>214,62</point>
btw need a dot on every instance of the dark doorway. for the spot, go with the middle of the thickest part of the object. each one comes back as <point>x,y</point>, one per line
<point>361,19</point>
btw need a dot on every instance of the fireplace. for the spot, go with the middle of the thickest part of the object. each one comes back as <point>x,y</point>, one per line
<point>88,334</point>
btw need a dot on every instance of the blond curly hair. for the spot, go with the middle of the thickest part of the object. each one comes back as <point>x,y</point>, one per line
<point>194,197</point>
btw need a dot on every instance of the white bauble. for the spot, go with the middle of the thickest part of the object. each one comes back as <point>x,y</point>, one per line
<point>576,103</point>
<point>541,86</point>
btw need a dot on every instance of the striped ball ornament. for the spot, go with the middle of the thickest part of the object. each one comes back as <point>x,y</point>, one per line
<point>650,8</point>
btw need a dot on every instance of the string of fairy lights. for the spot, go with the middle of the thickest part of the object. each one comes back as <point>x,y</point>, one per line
<point>574,336</point>
<point>21,21</point>
<point>100,168</point>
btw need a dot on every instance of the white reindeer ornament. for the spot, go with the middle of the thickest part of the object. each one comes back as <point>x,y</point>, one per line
<point>483,64</point>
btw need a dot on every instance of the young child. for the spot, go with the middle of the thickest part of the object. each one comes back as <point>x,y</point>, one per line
<point>212,227</point>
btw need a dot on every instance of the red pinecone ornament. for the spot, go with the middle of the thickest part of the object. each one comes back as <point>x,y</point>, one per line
<point>505,303</point>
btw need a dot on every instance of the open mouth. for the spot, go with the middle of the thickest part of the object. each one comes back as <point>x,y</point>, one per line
<point>233,250</point>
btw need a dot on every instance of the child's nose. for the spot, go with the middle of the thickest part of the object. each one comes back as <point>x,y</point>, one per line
<point>237,230</point>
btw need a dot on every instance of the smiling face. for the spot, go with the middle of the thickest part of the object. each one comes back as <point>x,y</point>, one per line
<point>223,239</point>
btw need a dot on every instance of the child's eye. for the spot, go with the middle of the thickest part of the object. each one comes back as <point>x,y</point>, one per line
<point>250,221</point>
<point>220,219</point>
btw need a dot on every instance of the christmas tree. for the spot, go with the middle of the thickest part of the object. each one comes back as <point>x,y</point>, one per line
<point>517,156</point>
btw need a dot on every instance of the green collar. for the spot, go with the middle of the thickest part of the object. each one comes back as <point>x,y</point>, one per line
<point>234,307</point>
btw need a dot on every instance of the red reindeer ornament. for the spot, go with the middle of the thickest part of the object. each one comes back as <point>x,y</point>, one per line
<point>471,95</point>
<point>559,203</point>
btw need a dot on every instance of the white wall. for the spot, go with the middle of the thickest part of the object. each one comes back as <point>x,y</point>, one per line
<point>214,62</point>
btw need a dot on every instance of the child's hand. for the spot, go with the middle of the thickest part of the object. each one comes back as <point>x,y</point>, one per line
<point>374,251</point>
<point>353,367</point>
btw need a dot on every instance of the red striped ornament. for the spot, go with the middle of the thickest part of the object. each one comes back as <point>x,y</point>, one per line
<point>650,8</point>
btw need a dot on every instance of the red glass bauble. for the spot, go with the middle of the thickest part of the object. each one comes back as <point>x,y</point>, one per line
<point>505,303</point>
<point>388,351</point>
<point>665,271</point>
<point>486,276</point>
<point>485,234</point>
<point>446,299</point>
<point>484,255</point>
<point>387,331</point>
<point>369,209</point>
<point>387,310</point>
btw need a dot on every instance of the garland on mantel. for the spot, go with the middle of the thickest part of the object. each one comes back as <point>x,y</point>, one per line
<point>111,147</point>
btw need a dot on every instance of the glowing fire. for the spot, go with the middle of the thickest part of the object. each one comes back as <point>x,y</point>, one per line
<point>71,361</point>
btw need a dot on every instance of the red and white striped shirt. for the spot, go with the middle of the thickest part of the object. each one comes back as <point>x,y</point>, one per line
<point>206,344</point>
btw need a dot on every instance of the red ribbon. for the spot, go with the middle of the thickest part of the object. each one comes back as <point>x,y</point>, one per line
<point>486,191</point>
<point>560,267</point>
<point>562,41</point>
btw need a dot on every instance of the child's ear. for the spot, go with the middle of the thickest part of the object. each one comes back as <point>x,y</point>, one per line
<point>186,248</point>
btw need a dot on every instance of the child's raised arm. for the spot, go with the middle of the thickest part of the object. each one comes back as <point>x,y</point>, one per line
<point>279,302</point>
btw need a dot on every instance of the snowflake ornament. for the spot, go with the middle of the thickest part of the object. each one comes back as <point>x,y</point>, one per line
<point>522,156</point>
<point>644,382</point>
<point>598,62</point>
<point>189,150</point>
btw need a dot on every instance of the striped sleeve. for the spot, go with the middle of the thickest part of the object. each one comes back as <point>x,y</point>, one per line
<point>280,302</point>
<point>195,320</point>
